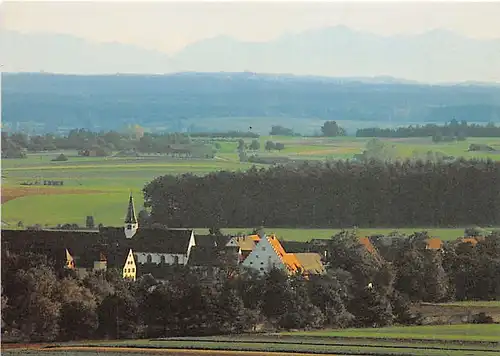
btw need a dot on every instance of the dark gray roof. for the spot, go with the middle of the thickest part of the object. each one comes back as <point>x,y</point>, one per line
<point>87,258</point>
<point>155,240</point>
<point>211,240</point>
<point>46,241</point>
<point>202,256</point>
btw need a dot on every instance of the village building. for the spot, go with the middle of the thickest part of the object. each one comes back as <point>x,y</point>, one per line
<point>151,245</point>
<point>433,243</point>
<point>129,270</point>
<point>268,253</point>
<point>244,245</point>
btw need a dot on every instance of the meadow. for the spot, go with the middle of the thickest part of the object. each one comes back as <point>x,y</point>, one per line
<point>100,186</point>
<point>453,340</point>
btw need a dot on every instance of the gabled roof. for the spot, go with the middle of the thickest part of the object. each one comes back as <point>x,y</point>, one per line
<point>154,240</point>
<point>50,241</point>
<point>204,256</point>
<point>159,241</point>
<point>86,258</point>
<point>291,262</point>
<point>288,259</point>
<point>246,243</point>
<point>310,263</point>
<point>211,240</point>
<point>275,243</point>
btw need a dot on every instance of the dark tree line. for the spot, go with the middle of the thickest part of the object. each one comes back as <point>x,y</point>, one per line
<point>228,134</point>
<point>333,195</point>
<point>451,130</point>
<point>278,130</point>
<point>16,145</point>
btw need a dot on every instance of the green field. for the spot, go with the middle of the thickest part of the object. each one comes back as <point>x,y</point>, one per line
<point>475,304</point>
<point>109,180</point>
<point>462,332</point>
<point>454,340</point>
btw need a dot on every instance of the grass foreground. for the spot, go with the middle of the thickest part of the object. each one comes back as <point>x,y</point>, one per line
<point>454,340</point>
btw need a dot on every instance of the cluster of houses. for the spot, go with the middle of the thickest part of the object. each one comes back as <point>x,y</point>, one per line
<point>139,250</point>
<point>144,250</point>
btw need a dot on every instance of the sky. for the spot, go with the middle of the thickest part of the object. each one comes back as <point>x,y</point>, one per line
<point>170,26</point>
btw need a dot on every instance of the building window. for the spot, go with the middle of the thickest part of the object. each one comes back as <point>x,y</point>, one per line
<point>251,263</point>
<point>263,248</point>
<point>133,270</point>
<point>162,259</point>
<point>261,269</point>
<point>129,227</point>
<point>176,260</point>
<point>256,256</point>
<point>149,259</point>
<point>262,263</point>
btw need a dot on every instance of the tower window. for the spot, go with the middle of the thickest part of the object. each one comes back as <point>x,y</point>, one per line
<point>129,227</point>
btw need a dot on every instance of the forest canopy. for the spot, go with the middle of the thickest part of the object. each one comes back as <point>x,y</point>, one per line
<point>333,195</point>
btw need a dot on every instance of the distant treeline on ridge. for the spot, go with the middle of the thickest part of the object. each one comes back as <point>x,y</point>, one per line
<point>108,102</point>
<point>453,129</point>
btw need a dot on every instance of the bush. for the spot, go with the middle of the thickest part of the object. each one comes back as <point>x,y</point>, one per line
<point>481,318</point>
<point>60,158</point>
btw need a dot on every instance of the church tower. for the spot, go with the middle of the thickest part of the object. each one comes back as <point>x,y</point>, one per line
<point>131,224</point>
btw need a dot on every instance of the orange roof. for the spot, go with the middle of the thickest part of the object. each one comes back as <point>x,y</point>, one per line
<point>291,262</point>
<point>471,240</point>
<point>434,243</point>
<point>365,241</point>
<point>255,238</point>
<point>289,259</point>
<point>247,243</point>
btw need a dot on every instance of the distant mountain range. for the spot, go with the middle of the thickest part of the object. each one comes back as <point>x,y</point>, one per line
<point>434,56</point>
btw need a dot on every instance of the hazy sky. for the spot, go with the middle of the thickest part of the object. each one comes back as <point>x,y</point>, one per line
<point>169,26</point>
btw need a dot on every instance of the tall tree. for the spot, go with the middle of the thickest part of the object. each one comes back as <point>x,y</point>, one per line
<point>332,129</point>
<point>33,307</point>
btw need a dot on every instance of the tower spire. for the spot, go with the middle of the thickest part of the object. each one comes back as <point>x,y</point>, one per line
<point>131,217</point>
<point>131,223</point>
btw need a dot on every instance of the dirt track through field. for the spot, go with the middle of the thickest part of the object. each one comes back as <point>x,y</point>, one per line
<point>133,350</point>
<point>10,193</point>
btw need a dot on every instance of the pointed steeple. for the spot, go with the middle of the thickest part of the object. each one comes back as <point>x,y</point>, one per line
<point>131,217</point>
